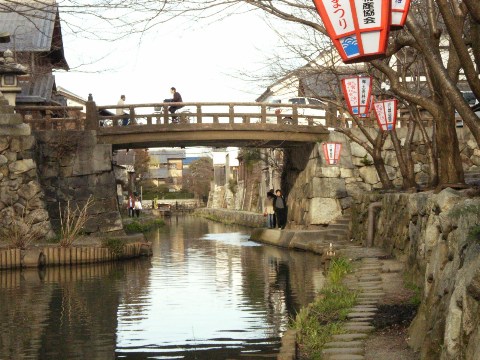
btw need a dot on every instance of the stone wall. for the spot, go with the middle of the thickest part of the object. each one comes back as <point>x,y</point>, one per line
<point>438,237</point>
<point>244,218</point>
<point>22,206</point>
<point>73,167</point>
<point>319,193</point>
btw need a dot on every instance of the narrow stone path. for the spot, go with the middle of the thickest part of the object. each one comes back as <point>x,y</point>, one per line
<point>367,281</point>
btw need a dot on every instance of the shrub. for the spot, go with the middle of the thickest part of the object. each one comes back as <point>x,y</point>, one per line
<point>72,221</point>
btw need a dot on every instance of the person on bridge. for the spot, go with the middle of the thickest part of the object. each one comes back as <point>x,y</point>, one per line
<point>176,98</point>
<point>119,111</point>
<point>280,207</point>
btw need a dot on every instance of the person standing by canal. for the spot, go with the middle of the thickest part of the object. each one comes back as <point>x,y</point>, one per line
<point>131,206</point>
<point>268,210</point>
<point>280,207</point>
<point>177,98</point>
<point>138,206</point>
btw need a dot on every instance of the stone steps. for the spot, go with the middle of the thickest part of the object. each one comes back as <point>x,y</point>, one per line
<point>351,345</point>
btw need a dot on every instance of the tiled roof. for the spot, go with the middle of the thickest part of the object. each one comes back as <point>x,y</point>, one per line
<point>30,24</point>
<point>34,26</point>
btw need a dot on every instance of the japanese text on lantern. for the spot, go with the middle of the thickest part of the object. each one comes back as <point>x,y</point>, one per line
<point>368,12</point>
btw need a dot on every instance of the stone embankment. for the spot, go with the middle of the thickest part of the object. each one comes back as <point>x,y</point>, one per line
<point>438,236</point>
<point>244,218</point>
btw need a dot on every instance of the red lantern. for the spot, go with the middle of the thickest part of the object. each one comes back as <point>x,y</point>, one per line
<point>358,28</point>
<point>386,112</point>
<point>332,153</point>
<point>358,95</point>
<point>399,12</point>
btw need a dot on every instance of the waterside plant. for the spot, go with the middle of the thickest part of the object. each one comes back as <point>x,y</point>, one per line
<point>142,227</point>
<point>320,320</point>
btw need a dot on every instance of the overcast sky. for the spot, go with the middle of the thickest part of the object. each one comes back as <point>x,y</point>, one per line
<point>201,60</point>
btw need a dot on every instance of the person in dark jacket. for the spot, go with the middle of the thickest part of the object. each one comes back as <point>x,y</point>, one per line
<point>280,207</point>
<point>176,98</point>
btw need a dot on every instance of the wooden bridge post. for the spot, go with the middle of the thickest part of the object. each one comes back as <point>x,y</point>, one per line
<point>91,120</point>
<point>263,118</point>
<point>231,114</point>
<point>133,121</point>
<point>295,114</point>
<point>199,114</point>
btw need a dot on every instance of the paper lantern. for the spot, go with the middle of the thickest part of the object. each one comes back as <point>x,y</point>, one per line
<point>358,95</point>
<point>358,28</point>
<point>399,12</point>
<point>386,113</point>
<point>332,153</point>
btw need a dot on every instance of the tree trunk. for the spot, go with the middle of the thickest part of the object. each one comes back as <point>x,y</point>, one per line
<point>378,162</point>
<point>450,163</point>
<point>407,176</point>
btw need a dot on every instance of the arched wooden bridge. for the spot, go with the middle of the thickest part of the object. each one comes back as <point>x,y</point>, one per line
<point>219,124</point>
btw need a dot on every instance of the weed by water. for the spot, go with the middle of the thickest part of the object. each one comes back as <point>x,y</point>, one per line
<point>142,227</point>
<point>116,246</point>
<point>319,321</point>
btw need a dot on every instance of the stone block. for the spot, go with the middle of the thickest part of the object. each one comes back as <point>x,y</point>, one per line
<point>15,144</point>
<point>93,160</point>
<point>369,175</point>
<point>16,130</point>
<point>328,171</point>
<point>29,190</point>
<point>3,160</point>
<point>37,216</point>
<point>447,198</point>
<point>9,118</point>
<point>4,143</point>
<point>21,166</point>
<point>328,188</point>
<point>27,142</point>
<point>324,210</point>
<point>357,150</point>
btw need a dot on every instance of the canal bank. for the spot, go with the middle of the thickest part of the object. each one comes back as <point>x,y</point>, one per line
<point>378,279</point>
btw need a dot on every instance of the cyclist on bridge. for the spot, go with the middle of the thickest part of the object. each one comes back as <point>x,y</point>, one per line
<point>176,98</point>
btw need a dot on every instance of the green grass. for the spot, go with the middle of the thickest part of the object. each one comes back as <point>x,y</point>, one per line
<point>320,320</point>
<point>142,227</point>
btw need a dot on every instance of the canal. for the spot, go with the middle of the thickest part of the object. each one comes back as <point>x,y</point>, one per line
<point>207,293</point>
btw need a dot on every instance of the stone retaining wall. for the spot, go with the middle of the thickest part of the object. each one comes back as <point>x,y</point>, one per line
<point>22,206</point>
<point>245,218</point>
<point>58,256</point>
<point>72,167</point>
<point>438,236</point>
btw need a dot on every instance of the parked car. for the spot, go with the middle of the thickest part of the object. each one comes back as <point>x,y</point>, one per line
<point>305,113</point>
<point>474,104</point>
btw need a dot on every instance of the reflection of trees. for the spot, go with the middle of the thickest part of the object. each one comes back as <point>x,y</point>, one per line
<point>66,312</point>
<point>288,282</point>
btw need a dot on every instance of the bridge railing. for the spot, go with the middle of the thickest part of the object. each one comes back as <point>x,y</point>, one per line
<point>205,113</point>
<point>52,117</point>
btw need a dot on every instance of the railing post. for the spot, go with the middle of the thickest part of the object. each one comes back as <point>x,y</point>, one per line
<point>165,115</point>
<point>263,118</point>
<point>231,114</point>
<point>91,120</point>
<point>295,114</point>
<point>199,114</point>
<point>133,121</point>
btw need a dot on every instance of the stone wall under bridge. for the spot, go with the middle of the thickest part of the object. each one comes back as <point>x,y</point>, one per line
<point>318,193</point>
<point>72,167</point>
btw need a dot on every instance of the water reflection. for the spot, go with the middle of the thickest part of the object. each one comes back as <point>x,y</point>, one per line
<point>207,293</point>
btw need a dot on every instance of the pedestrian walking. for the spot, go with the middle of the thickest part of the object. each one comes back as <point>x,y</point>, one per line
<point>138,207</point>
<point>269,212</point>
<point>131,205</point>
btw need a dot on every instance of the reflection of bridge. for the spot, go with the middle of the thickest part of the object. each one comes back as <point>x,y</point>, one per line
<point>196,124</point>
